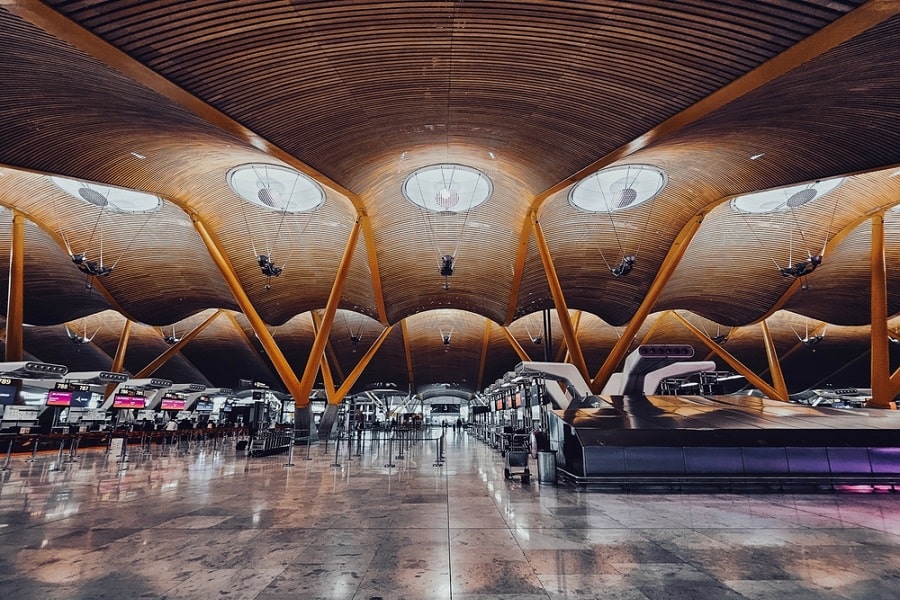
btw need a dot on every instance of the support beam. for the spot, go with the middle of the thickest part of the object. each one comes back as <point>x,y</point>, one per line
<point>118,362</point>
<point>751,377</point>
<point>559,300</point>
<point>485,339</point>
<point>334,298</point>
<point>669,263</point>
<point>327,378</point>
<point>895,382</point>
<point>881,362</point>
<point>361,366</point>
<point>372,256</point>
<point>409,365</point>
<point>15,303</point>
<point>519,265</point>
<point>332,359</point>
<point>562,355</point>
<point>282,367</point>
<point>520,351</point>
<point>175,348</point>
<point>774,365</point>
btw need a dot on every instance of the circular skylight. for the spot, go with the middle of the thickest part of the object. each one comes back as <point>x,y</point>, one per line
<point>618,188</point>
<point>276,188</point>
<point>109,197</point>
<point>783,199</point>
<point>447,188</point>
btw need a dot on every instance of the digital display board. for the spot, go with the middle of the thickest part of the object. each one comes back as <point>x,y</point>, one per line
<point>204,404</point>
<point>9,391</point>
<point>59,398</point>
<point>172,404</point>
<point>123,401</point>
<point>81,398</point>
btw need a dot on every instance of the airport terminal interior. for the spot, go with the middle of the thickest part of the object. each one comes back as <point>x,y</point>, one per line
<point>449,299</point>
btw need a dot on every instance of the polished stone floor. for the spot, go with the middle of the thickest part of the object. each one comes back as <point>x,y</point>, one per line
<point>210,523</point>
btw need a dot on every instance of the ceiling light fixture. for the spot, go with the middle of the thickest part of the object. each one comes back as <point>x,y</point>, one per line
<point>276,188</point>
<point>444,191</point>
<point>786,198</point>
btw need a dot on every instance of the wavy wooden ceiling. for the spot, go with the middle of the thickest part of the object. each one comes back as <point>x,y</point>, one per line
<point>167,97</point>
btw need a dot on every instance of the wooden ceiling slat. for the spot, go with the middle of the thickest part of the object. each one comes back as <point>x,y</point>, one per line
<point>361,94</point>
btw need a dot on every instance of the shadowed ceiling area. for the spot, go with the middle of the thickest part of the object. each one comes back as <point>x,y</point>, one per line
<point>621,148</point>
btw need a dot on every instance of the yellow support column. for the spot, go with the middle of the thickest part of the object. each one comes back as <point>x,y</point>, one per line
<point>679,246</point>
<point>559,300</point>
<point>318,348</point>
<point>520,351</point>
<point>361,365</point>
<point>15,305</point>
<point>774,365</point>
<point>882,395</point>
<point>751,377</point>
<point>175,348</point>
<point>282,367</point>
<point>327,378</point>
<point>118,362</point>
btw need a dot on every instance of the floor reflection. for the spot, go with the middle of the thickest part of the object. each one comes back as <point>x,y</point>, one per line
<point>206,522</point>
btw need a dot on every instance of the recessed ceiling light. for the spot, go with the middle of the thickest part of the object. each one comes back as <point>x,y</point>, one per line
<point>109,197</point>
<point>786,198</point>
<point>618,188</point>
<point>137,155</point>
<point>276,187</point>
<point>757,156</point>
<point>447,188</point>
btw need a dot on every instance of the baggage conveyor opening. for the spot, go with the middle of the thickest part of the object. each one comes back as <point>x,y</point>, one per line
<point>629,437</point>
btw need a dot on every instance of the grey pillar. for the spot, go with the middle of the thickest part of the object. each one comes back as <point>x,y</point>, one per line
<point>303,423</point>
<point>326,423</point>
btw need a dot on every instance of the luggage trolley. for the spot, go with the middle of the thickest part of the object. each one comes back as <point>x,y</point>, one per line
<point>517,457</point>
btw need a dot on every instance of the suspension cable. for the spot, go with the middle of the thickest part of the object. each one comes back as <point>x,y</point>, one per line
<point>128,247</point>
<point>758,239</point>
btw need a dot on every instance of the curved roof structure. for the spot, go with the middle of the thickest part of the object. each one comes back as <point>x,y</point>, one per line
<point>724,100</point>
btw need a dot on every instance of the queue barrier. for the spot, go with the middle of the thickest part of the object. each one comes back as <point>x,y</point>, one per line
<point>67,445</point>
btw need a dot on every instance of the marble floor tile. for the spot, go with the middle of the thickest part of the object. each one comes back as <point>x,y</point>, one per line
<point>210,523</point>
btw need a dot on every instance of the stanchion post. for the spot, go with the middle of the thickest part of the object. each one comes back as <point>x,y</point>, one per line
<point>439,461</point>
<point>73,450</point>
<point>390,452</point>
<point>36,441</point>
<point>349,446</point>
<point>9,448</point>
<point>59,456</point>
<point>337,448</point>
<point>400,452</point>
<point>123,457</point>
<point>290,462</point>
